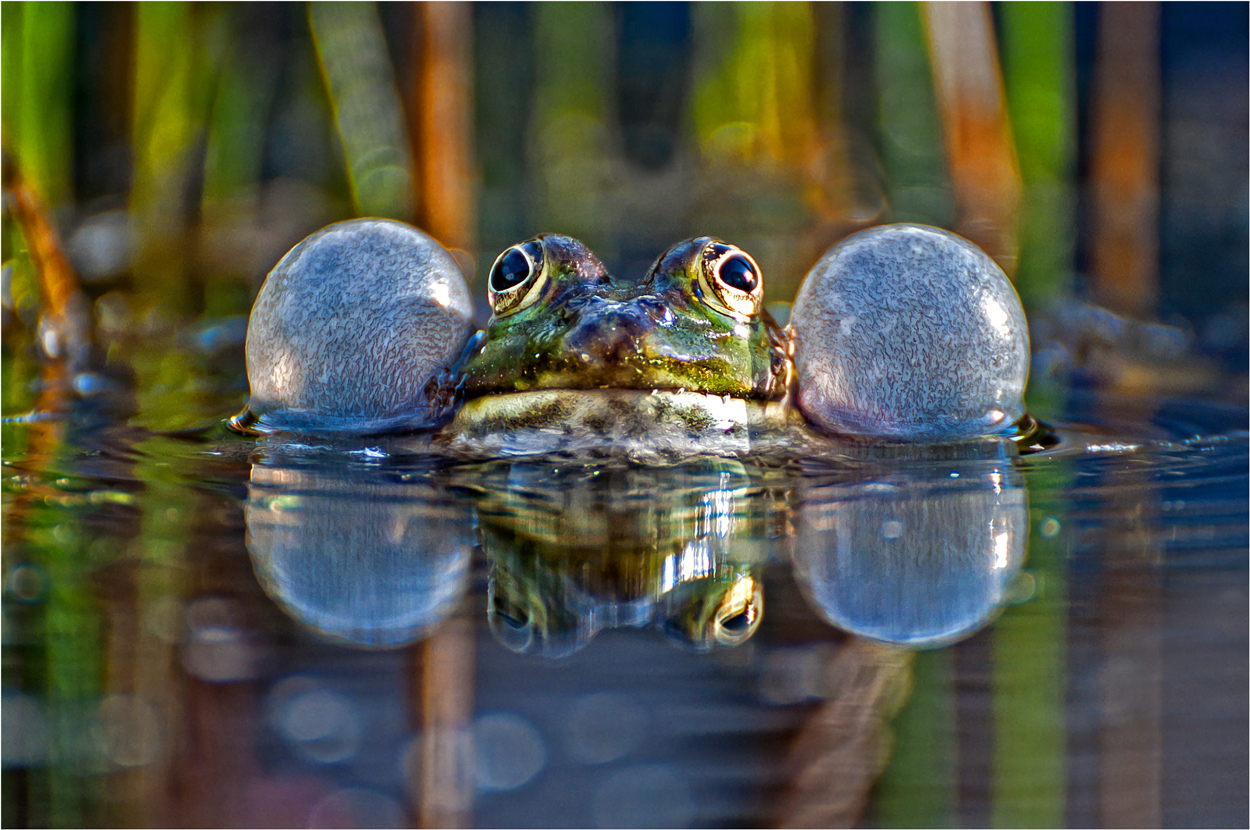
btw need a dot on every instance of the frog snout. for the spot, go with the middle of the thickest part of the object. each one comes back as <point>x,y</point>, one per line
<point>609,333</point>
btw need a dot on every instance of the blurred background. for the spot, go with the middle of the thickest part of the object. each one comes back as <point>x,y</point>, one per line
<point>1098,152</point>
<point>161,157</point>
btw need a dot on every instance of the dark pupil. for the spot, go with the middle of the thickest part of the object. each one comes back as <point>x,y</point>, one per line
<point>512,621</point>
<point>516,617</point>
<point>737,272</point>
<point>739,622</point>
<point>512,269</point>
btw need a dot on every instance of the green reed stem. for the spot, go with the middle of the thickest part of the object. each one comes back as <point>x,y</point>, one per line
<point>912,149</point>
<point>38,66</point>
<point>919,787</point>
<point>1040,79</point>
<point>1030,678</point>
<point>360,81</point>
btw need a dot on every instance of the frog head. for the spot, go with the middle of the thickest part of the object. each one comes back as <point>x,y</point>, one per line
<point>570,343</point>
<point>694,322</point>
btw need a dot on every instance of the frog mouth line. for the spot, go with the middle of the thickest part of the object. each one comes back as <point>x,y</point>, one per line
<point>640,373</point>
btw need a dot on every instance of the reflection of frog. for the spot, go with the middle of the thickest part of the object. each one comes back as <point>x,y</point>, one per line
<point>575,550</point>
<point>687,353</point>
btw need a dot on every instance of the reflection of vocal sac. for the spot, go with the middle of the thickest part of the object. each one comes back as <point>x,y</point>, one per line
<point>914,550</point>
<point>354,555</point>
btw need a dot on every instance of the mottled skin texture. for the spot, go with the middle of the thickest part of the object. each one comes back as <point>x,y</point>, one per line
<point>596,356</point>
<point>909,332</point>
<point>351,326</point>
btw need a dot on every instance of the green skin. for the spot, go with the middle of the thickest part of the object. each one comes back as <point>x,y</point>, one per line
<point>590,330</point>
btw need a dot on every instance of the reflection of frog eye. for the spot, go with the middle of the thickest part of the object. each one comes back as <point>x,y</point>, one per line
<point>739,613</point>
<point>731,280</point>
<point>510,622</point>
<point>517,278</point>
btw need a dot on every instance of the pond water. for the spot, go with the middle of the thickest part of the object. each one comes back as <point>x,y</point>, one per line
<point>202,628</point>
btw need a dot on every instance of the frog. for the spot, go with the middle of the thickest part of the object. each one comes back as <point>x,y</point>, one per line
<point>684,356</point>
<point>900,333</point>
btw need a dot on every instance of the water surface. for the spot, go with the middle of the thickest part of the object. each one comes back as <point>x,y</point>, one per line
<point>207,629</point>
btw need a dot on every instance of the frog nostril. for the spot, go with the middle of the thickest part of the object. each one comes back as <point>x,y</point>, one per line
<point>608,328</point>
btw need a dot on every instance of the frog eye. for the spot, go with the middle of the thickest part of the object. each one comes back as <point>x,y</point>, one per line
<point>517,278</point>
<point>510,621</point>
<point>731,280</point>
<point>739,613</point>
